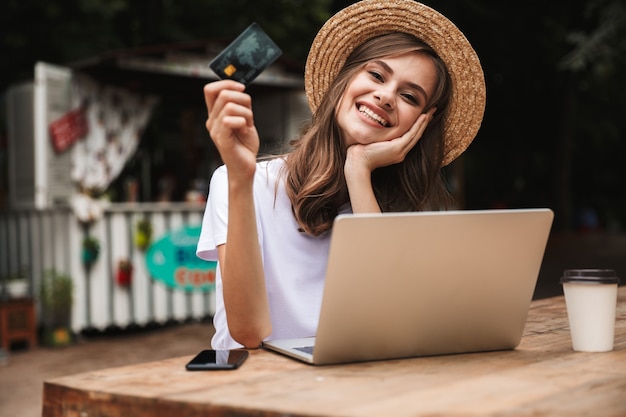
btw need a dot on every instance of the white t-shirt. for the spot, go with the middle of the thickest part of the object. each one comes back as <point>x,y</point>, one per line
<point>294,262</point>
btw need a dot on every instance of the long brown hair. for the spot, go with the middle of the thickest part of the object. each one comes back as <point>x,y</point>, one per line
<point>315,179</point>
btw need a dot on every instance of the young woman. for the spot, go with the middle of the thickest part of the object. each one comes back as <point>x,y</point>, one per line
<point>380,134</point>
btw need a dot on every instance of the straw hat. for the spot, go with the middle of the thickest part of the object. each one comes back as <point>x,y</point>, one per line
<point>357,23</point>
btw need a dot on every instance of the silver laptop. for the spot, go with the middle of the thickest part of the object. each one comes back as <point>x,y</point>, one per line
<point>402,285</point>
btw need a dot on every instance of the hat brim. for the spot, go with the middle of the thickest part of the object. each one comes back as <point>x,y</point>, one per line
<point>364,20</point>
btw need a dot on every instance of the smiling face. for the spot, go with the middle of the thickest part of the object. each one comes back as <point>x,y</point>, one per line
<point>385,98</point>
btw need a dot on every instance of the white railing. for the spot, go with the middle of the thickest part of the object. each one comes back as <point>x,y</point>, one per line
<point>33,241</point>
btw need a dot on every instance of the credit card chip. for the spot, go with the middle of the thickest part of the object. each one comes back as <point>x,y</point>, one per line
<point>230,70</point>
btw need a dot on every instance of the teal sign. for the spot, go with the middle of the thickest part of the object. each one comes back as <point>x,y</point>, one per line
<point>172,259</point>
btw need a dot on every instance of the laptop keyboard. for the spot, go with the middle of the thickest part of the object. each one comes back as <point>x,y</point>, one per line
<point>305,349</point>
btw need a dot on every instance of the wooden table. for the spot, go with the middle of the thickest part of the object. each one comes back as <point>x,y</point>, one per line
<point>542,377</point>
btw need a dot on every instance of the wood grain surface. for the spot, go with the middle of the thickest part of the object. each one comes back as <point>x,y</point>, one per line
<point>542,377</point>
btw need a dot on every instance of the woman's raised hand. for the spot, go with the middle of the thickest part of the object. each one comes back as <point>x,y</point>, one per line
<point>230,123</point>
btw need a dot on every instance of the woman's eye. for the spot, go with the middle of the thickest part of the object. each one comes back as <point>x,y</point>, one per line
<point>376,75</point>
<point>411,98</point>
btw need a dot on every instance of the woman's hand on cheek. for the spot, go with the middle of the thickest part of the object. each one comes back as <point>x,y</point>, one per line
<point>230,123</point>
<point>380,154</point>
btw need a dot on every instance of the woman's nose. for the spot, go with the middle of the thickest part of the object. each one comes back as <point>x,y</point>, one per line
<point>385,98</point>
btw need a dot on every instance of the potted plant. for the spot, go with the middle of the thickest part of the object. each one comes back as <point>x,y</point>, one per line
<point>124,274</point>
<point>90,250</point>
<point>56,307</point>
<point>17,284</point>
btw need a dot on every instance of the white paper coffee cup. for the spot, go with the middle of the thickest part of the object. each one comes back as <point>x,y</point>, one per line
<point>591,301</point>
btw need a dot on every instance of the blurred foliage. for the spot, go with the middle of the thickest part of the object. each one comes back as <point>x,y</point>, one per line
<point>554,128</point>
<point>62,31</point>
<point>56,294</point>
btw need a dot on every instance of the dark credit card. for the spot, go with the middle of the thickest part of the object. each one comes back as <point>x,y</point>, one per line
<point>247,56</point>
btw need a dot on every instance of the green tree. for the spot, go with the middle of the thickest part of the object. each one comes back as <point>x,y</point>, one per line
<point>62,31</point>
<point>591,145</point>
<point>554,130</point>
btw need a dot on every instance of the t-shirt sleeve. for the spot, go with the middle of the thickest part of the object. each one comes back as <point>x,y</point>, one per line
<point>215,219</point>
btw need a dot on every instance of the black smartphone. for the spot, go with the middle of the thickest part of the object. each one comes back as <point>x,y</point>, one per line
<point>217,359</point>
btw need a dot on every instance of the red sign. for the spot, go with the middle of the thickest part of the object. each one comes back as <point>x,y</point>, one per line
<point>68,129</point>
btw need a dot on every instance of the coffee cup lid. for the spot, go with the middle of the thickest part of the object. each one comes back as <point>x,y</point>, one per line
<point>590,276</point>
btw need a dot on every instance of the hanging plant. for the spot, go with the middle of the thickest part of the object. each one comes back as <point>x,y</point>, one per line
<point>91,249</point>
<point>124,274</point>
<point>143,234</point>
